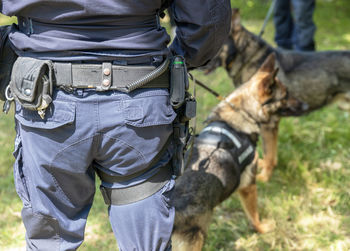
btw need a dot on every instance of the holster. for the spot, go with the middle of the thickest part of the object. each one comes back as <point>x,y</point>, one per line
<point>184,105</point>
<point>7,59</point>
<point>32,83</point>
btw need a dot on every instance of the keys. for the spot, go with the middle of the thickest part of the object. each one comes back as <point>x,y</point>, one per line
<point>9,100</point>
<point>41,113</point>
<point>45,102</point>
<point>7,106</point>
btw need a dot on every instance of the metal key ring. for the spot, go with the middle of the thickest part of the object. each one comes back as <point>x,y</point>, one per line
<point>8,94</point>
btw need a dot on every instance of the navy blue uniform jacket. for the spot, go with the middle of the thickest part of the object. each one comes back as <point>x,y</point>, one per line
<point>68,30</point>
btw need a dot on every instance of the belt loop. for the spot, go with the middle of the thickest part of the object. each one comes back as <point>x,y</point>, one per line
<point>106,77</point>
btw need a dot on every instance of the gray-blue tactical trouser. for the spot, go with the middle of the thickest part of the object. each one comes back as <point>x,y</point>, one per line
<point>56,159</point>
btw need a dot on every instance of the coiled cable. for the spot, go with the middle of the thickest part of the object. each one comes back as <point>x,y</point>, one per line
<point>149,76</point>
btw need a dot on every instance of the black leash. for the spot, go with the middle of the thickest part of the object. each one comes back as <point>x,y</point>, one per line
<point>217,95</point>
<point>268,15</point>
<point>192,129</point>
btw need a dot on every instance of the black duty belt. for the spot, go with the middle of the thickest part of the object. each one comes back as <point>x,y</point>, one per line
<point>106,76</point>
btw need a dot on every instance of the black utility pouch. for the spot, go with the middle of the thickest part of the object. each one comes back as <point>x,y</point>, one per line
<point>32,83</point>
<point>178,82</point>
<point>7,59</point>
<point>185,106</point>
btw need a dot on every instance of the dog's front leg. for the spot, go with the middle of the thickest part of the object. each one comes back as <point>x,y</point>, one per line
<point>249,199</point>
<point>269,135</point>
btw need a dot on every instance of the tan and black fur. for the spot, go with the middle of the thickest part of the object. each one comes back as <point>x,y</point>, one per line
<point>316,78</point>
<point>210,176</point>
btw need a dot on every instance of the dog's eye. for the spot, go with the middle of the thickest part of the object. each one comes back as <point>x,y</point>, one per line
<point>272,87</point>
<point>268,101</point>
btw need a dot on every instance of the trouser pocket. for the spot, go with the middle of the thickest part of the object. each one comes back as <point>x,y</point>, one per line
<point>42,232</point>
<point>19,176</point>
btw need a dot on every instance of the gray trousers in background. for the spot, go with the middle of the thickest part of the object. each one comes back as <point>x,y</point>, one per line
<point>56,159</point>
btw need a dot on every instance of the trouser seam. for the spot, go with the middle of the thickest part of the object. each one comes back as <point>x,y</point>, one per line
<point>97,120</point>
<point>51,167</point>
<point>120,140</point>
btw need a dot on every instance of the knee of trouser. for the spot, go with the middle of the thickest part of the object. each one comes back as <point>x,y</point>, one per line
<point>42,231</point>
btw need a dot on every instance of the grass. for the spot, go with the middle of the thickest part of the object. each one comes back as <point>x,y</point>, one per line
<point>308,195</point>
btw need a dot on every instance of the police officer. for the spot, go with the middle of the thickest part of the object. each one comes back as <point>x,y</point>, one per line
<point>92,50</point>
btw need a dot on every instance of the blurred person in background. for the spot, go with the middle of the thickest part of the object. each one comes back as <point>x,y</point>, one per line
<point>295,28</point>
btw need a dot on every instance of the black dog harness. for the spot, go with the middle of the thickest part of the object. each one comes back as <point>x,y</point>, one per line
<point>241,147</point>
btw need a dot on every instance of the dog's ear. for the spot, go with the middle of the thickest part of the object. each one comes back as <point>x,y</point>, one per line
<point>267,81</point>
<point>269,64</point>
<point>235,19</point>
<point>275,72</point>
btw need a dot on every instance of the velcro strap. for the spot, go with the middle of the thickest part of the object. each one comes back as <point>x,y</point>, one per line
<point>127,195</point>
<point>105,76</point>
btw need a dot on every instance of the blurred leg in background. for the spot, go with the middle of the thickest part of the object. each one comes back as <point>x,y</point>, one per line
<point>284,24</point>
<point>294,24</point>
<point>304,26</point>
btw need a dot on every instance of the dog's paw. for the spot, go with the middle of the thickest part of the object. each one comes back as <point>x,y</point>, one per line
<point>265,171</point>
<point>263,176</point>
<point>261,164</point>
<point>266,226</point>
<point>344,105</point>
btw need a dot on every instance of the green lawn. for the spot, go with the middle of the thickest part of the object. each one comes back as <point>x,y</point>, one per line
<point>308,195</point>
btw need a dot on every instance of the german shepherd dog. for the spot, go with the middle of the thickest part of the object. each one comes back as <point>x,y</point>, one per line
<point>315,78</point>
<point>213,172</point>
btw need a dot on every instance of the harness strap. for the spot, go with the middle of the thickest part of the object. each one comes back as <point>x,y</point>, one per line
<point>221,135</point>
<point>117,179</point>
<point>221,130</point>
<point>106,76</point>
<point>122,196</point>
